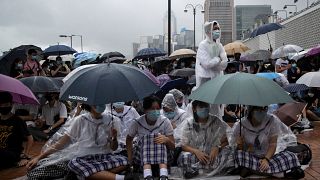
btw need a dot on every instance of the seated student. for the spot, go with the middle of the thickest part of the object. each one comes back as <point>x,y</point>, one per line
<point>155,136</point>
<point>85,149</point>
<point>257,145</point>
<point>26,112</point>
<point>203,136</point>
<point>13,131</point>
<point>179,97</point>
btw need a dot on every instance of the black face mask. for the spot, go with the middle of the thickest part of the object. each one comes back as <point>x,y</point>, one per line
<point>5,110</point>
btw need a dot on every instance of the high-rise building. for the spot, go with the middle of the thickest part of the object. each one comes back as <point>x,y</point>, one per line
<point>249,15</point>
<point>135,48</point>
<point>173,24</point>
<point>223,12</point>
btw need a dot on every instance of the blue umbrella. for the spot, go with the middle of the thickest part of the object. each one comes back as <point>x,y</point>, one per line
<point>265,29</point>
<point>268,75</point>
<point>171,85</point>
<point>149,53</point>
<point>86,56</point>
<point>58,50</point>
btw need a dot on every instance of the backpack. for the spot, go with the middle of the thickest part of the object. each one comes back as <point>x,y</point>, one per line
<point>303,152</point>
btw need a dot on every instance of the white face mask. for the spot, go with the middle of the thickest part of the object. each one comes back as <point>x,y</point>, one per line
<point>216,34</point>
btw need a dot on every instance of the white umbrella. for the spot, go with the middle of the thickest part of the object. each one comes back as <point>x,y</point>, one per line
<point>182,53</point>
<point>310,79</point>
<point>285,51</point>
<point>76,70</point>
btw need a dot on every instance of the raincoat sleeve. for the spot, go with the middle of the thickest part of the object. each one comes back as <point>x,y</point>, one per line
<point>74,130</point>
<point>63,111</point>
<point>204,58</point>
<point>186,132</point>
<point>224,60</point>
<point>133,130</point>
<point>116,125</point>
<point>168,128</point>
<point>135,114</point>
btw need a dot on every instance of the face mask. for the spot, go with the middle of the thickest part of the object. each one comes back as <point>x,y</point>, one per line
<point>153,115</point>
<point>34,58</point>
<point>5,110</point>
<point>259,116</point>
<point>118,105</point>
<point>170,115</point>
<point>202,112</point>
<point>100,108</point>
<point>134,62</point>
<point>294,65</point>
<point>310,94</point>
<point>174,65</point>
<point>193,65</point>
<point>216,34</point>
<point>19,66</point>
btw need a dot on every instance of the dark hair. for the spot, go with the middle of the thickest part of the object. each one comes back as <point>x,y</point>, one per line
<point>31,51</point>
<point>199,103</point>
<point>148,101</point>
<point>5,97</point>
<point>86,107</point>
<point>58,58</point>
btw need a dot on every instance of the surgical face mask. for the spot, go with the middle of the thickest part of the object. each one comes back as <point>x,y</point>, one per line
<point>19,66</point>
<point>174,65</point>
<point>118,105</point>
<point>310,94</point>
<point>170,115</point>
<point>259,116</point>
<point>294,65</point>
<point>216,34</point>
<point>5,110</point>
<point>153,115</point>
<point>193,65</point>
<point>100,108</point>
<point>34,58</point>
<point>202,112</point>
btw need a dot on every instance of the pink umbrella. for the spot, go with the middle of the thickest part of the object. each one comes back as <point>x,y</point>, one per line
<point>314,51</point>
<point>152,77</point>
<point>21,93</point>
<point>163,78</point>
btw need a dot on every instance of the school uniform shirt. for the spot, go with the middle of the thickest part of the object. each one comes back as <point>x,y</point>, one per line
<point>92,136</point>
<point>282,63</point>
<point>140,127</point>
<point>48,113</point>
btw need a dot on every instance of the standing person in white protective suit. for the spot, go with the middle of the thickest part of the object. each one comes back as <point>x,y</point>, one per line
<point>211,60</point>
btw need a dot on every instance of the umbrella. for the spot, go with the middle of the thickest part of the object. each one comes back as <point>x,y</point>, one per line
<point>268,75</point>
<point>21,93</point>
<point>299,55</point>
<point>105,56</point>
<point>171,85</point>
<point>290,112</point>
<point>256,55</point>
<point>86,56</point>
<point>235,47</point>
<point>265,29</point>
<point>162,60</point>
<point>149,53</point>
<point>292,88</point>
<point>107,83</point>
<point>285,51</point>
<point>58,50</point>
<point>163,78</point>
<point>76,70</point>
<point>185,72</point>
<point>241,88</point>
<point>314,51</point>
<point>310,79</point>
<point>7,60</point>
<point>152,77</point>
<point>42,84</point>
<point>182,53</point>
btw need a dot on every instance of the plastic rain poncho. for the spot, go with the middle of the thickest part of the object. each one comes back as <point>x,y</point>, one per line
<point>179,97</point>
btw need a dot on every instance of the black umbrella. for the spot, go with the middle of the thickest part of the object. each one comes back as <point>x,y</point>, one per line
<point>107,83</point>
<point>58,50</point>
<point>111,55</point>
<point>185,72</point>
<point>149,53</point>
<point>118,60</point>
<point>265,29</point>
<point>42,84</point>
<point>7,60</point>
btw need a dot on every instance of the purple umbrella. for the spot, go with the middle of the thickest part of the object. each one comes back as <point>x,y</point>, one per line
<point>163,78</point>
<point>21,93</point>
<point>314,51</point>
<point>152,77</point>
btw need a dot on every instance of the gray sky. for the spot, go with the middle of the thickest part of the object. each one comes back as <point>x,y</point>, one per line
<point>106,25</point>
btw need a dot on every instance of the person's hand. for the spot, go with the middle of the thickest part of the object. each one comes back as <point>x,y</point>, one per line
<point>203,157</point>
<point>46,131</point>
<point>161,139</point>
<point>33,163</point>
<point>213,154</point>
<point>264,165</point>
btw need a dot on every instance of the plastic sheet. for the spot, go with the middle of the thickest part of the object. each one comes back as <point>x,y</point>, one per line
<point>169,102</point>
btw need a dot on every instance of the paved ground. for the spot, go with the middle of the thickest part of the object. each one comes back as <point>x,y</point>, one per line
<point>312,172</point>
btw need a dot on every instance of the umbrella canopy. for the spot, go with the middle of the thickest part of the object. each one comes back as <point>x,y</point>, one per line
<point>171,85</point>
<point>7,60</point>
<point>21,93</point>
<point>299,55</point>
<point>285,51</point>
<point>182,53</point>
<point>152,77</point>
<point>314,51</point>
<point>162,60</point>
<point>73,72</point>
<point>105,56</point>
<point>58,50</point>
<point>107,83</point>
<point>149,53</point>
<point>163,78</point>
<point>256,55</point>
<point>292,88</point>
<point>86,56</point>
<point>268,75</point>
<point>310,79</point>
<point>241,88</point>
<point>42,84</point>
<point>185,72</point>
<point>235,47</point>
<point>265,29</point>
<point>290,112</point>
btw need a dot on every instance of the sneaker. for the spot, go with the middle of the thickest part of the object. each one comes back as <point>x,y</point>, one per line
<point>295,173</point>
<point>191,173</point>
<point>163,178</point>
<point>131,176</point>
<point>245,172</point>
<point>149,178</point>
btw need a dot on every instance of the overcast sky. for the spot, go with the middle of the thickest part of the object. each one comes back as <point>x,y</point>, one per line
<point>106,25</point>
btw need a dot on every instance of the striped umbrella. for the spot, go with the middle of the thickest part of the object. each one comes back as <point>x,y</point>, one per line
<point>292,88</point>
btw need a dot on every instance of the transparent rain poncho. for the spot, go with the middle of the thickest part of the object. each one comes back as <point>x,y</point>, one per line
<point>87,136</point>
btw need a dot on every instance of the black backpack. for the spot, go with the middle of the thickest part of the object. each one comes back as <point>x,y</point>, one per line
<point>303,152</point>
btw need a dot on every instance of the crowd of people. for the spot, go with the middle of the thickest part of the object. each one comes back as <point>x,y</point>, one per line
<point>153,137</point>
